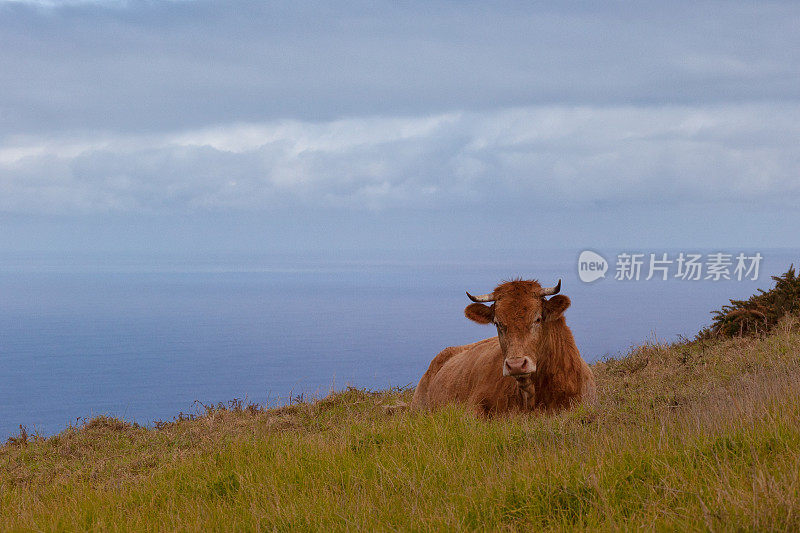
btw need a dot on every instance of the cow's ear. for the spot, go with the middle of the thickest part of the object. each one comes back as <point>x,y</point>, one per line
<point>554,307</point>
<point>482,314</point>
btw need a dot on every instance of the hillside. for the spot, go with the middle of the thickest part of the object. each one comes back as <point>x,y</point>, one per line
<point>694,435</point>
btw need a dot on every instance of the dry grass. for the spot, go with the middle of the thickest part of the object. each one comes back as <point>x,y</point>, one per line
<point>695,435</point>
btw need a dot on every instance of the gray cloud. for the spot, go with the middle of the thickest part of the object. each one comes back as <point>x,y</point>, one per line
<point>139,124</point>
<point>141,66</point>
<point>578,155</point>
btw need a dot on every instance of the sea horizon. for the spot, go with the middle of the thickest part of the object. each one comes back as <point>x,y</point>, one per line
<point>146,336</point>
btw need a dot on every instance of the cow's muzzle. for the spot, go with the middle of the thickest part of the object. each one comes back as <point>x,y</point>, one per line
<point>519,367</point>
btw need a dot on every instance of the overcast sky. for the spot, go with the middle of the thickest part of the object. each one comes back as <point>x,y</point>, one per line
<point>163,126</point>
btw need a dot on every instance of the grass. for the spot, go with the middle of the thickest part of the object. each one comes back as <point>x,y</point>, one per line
<point>701,435</point>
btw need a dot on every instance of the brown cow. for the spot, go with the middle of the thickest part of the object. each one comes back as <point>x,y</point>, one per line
<point>533,362</point>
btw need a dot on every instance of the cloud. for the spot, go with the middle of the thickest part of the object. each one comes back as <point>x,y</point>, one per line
<point>155,66</point>
<point>414,116</point>
<point>507,157</point>
<point>57,3</point>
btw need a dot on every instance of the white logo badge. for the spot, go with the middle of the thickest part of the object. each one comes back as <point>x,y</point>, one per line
<point>591,266</point>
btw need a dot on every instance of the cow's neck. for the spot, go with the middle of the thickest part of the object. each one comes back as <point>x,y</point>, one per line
<point>557,360</point>
<point>526,391</point>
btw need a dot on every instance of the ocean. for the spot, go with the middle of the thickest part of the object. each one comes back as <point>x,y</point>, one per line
<point>147,339</point>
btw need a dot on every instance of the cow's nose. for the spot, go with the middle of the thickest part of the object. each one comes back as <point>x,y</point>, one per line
<point>519,365</point>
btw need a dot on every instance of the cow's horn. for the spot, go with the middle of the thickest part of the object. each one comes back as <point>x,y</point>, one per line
<point>549,291</point>
<point>481,298</point>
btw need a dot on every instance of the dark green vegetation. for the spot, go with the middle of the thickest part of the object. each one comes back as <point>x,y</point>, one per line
<point>759,313</point>
<point>701,435</point>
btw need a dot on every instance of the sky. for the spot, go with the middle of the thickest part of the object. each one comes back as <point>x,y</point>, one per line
<point>415,127</point>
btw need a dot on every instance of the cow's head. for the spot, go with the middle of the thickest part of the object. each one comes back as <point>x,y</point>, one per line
<point>519,309</point>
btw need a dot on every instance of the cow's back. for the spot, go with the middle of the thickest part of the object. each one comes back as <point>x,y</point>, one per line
<point>455,373</point>
<point>589,392</point>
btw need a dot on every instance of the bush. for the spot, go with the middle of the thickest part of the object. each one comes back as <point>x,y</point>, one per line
<point>759,313</point>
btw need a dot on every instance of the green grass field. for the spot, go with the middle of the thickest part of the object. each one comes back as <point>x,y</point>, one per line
<point>689,436</point>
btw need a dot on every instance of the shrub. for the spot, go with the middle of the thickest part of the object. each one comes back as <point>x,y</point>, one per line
<point>759,313</point>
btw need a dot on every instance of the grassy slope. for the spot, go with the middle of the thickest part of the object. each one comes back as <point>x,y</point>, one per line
<point>686,436</point>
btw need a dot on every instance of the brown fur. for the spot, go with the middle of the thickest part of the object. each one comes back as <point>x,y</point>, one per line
<point>529,325</point>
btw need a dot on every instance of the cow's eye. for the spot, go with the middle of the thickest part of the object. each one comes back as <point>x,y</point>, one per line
<point>538,319</point>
